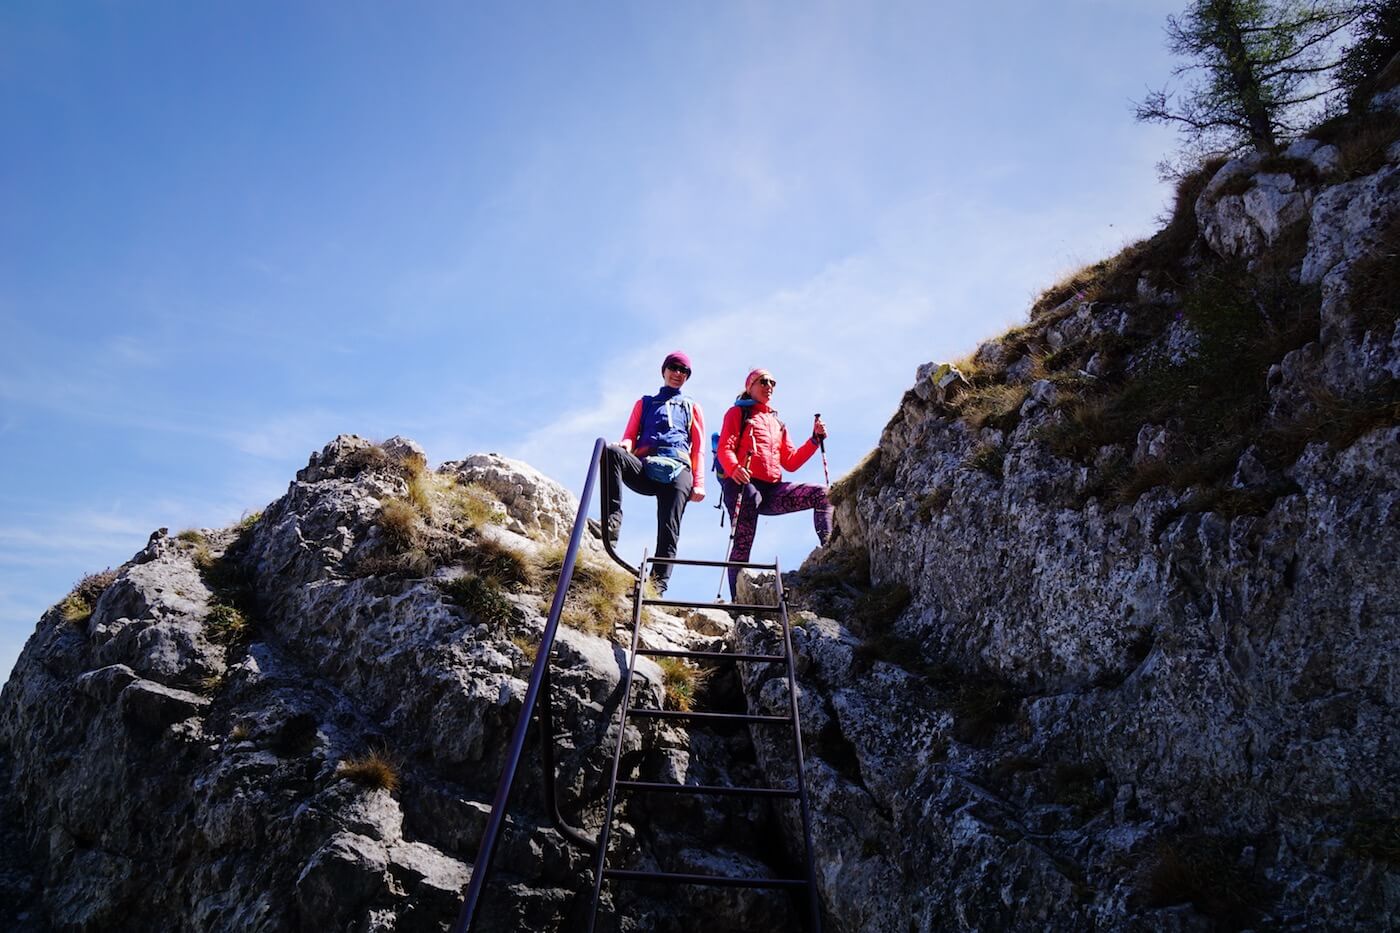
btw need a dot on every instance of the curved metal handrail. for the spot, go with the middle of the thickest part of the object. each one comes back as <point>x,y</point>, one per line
<point>539,686</point>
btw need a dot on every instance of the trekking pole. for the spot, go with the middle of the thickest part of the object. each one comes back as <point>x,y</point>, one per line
<point>733,527</point>
<point>821,442</point>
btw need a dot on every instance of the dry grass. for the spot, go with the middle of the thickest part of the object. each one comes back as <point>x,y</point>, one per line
<point>528,647</point>
<point>374,770</point>
<point>241,732</point>
<point>77,606</point>
<point>997,406</point>
<point>682,681</point>
<point>400,522</point>
<point>202,557</point>
<point>860,476</point>
<point>588,572</point>
<point>1361,140</point>
<point>415,473</point>
<point>596,591</point>
<point>508,566</point>
<point>470,503</point>
<point>933,502</point>
<point>246,523</point>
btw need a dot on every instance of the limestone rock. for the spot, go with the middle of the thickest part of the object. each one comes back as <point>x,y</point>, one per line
<point>537,505</point>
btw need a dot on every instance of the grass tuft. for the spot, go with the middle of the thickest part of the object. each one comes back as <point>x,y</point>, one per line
<point>933,501</point>
<point>77,606</point>
<point>471,503</point>
<point>483,597</point>
<point>374,770</point>
<point>226,623</point>
<point>682,682</point>
<point>401,522</point>
<point>507,565</point>
<point>989,458</point>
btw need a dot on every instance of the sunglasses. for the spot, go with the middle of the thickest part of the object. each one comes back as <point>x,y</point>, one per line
<point>770,383</point>
<point>678,368</point>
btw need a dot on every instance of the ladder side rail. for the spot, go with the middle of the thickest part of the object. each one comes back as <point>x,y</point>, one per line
<point>539,679</point>
<point>600,855</point>
<point>813,900</point>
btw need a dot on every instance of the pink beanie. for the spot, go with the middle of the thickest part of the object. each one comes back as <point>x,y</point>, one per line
<point>675,356</point>
<point>754,374</point>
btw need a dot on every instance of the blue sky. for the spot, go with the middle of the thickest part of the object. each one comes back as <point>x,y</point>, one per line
<point>230,231</point>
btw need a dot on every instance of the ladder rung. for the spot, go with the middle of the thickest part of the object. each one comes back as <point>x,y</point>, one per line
<point>709,717</point>
<point>710,655</point>
<point>693,604</point>
<point>685,562</point>
<point>669,877</point>
<point>710,790</point>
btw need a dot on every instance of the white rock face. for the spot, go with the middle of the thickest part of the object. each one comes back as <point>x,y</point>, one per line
<point>538,506</point>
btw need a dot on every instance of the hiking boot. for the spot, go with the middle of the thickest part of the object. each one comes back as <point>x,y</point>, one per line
<point>659,584</point>
<point>614,528</point>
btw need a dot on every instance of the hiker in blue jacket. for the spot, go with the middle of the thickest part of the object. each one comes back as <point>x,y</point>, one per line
<point>661,454</point>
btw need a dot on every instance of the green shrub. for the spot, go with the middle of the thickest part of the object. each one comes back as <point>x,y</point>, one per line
<point>480,596</point>
<point>989,458</point>
<point>226,623</point>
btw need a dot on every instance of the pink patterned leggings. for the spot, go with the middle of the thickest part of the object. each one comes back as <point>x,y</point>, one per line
<point>773,499</point>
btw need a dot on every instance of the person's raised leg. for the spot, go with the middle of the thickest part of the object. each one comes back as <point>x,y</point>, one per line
<point>784,498</point>
<point>622,467</point>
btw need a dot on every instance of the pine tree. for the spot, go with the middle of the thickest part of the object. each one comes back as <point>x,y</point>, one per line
<point>1377,43</point>
<point>1264,64</point>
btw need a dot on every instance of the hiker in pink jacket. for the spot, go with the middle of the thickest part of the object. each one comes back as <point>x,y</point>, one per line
<point>754,449</point>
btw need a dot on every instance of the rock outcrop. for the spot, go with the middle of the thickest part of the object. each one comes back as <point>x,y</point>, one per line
<point>298,724</point>
<point>1127,654</point>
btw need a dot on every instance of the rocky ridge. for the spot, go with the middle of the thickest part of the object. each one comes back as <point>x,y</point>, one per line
<point>1126,653</point>
<point>297,724</point>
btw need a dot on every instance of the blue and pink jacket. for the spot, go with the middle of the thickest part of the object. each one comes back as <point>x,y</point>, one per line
<point>657,426</point>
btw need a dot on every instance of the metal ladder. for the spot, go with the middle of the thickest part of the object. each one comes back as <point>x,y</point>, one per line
<point>601,872</point>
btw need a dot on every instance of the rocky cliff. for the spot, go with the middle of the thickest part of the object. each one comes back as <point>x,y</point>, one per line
<point>1127,654</point>
<point>1105,638</point>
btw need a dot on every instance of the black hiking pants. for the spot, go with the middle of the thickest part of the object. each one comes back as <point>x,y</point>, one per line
<point>671,498</point>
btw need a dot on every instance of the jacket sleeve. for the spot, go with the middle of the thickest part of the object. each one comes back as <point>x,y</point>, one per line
<point>729,440</point>
<point>794,457</point>
<point>634,426</point>
<point>697,448</point>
